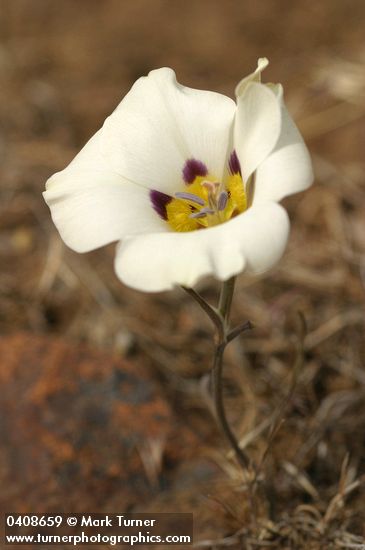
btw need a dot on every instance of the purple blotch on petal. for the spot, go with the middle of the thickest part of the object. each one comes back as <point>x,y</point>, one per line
<point>159,202</point>
<point>192,169</point>
<point>234,164</point>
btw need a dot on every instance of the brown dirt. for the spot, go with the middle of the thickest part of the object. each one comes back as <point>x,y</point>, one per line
<point>63,68</point>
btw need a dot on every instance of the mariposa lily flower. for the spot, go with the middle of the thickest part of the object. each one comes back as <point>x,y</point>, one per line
<point>187,181</point>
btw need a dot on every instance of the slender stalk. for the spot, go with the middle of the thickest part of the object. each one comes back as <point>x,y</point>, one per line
<point>225,302</point>
<point>212,313</point>
<point>220,318</point>
<point>225,298</point>
<point>247,325</point>
<point>217,383</point>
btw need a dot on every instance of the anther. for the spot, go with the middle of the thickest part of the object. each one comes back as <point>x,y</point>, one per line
<point>203,212</point>
<point>222,200</point>
<point>190,197</point>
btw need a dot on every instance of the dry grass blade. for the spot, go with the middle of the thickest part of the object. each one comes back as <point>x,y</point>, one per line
<point>278,416</point>
<point>345,488</point>
<point>302,479</point>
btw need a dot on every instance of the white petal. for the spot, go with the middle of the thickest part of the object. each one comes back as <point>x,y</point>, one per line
<point>160,124</point>
<point>90,157</point>
<point>257,126</point>
<point>262,63</point>
<point>92,208</point>
<point>288,169</point>
<point>253,241</point>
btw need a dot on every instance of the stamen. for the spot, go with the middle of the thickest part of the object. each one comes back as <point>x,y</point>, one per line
<point>190,197</point>
<point>222,200</point>
<point>203,212</point>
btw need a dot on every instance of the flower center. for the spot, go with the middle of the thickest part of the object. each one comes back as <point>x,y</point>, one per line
<point>204,202</point>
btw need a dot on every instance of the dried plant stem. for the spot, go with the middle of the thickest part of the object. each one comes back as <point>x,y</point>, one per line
<point>224,335</point>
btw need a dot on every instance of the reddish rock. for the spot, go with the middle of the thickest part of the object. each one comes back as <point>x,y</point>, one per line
<point>80,430</point>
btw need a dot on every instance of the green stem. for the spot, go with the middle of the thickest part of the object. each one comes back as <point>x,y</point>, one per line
<point>220,318</point>
<point>226,296</point>
<point>225,302</point>
<point>212,313</point>
<point>247,325</point>
<point>217,387</point>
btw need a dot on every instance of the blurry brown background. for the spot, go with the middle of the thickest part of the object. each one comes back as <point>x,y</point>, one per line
<point>81,357</point>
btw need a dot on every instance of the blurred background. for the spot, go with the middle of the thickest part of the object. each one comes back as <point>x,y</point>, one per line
<point>102,397</point>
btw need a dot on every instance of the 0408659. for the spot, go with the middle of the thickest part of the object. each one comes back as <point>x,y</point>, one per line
<point>33,520</point>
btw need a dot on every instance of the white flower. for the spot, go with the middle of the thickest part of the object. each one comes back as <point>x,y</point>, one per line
<point>187,180</point>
